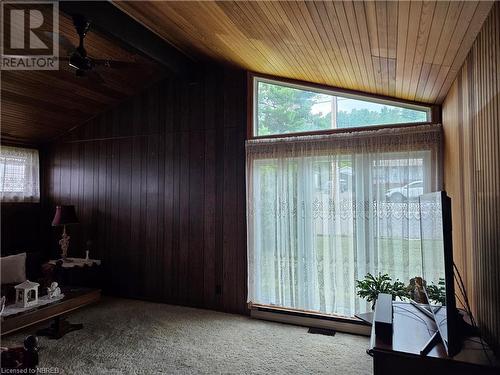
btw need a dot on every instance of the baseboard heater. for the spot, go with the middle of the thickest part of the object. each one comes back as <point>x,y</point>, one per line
<point>308,319</point>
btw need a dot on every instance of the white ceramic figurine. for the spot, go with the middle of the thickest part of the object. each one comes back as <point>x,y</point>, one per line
<point>54,290</point>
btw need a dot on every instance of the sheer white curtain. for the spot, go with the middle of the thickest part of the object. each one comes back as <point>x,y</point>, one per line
<point>19,175</point>
<point>323,211</point>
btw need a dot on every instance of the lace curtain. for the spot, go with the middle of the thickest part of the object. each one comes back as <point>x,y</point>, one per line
<point>323,211</point>
<point>19,175</point>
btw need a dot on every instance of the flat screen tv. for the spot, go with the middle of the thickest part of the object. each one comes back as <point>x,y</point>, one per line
<point>437,268</point>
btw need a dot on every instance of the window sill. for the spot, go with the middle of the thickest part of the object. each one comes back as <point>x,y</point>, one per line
<point>309,319</point>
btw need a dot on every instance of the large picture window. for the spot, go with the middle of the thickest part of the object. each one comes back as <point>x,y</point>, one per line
<point>19,175</point>
<point>325,210</point>
<point>284,108</point>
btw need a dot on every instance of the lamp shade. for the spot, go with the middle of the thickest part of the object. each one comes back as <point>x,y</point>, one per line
<point>65,215</point>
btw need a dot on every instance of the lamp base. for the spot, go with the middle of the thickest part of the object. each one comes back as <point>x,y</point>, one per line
<point>64,243</point>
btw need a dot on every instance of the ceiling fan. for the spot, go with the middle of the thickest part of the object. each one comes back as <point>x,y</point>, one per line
<point>78,59</point>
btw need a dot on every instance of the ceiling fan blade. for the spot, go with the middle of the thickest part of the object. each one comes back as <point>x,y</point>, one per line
<point>64,42</point>
<point>95,77</point>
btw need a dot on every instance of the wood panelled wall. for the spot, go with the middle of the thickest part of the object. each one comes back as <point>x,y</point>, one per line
<point>471,122</point>
<point>159,187</point>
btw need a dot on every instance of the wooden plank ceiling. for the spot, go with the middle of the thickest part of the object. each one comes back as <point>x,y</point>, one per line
<point>37,106</point>
<point>406,50</point>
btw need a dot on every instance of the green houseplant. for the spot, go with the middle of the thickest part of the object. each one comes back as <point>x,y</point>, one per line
<point>437,293</point>
<point>371,286</point>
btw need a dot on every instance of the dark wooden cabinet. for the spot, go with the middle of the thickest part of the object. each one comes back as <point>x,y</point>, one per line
<point>411,330</point>
<point>90,276</point>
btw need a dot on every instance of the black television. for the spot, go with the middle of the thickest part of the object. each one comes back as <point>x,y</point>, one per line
<point>437,269</point>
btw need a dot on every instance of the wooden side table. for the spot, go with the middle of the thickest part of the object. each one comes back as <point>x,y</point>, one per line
<point>77,272</point>
<point>75,262</point>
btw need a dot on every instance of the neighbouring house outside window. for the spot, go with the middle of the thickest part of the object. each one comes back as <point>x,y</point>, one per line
<point>19,174</point>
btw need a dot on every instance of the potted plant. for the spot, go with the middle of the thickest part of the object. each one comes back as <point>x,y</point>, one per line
<point>371,286</point>
<point>437,293</point>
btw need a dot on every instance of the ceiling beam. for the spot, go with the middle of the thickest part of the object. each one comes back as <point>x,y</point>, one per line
<point>109,20</point>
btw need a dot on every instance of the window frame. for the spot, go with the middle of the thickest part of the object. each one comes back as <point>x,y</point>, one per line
<point>433,111</point>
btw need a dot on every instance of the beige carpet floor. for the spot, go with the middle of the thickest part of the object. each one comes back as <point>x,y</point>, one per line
<point>123,336</point>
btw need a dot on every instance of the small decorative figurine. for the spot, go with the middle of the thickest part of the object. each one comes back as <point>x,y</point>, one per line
<point>416,290</point>
<point>54,290</point>
<point>27,294</point>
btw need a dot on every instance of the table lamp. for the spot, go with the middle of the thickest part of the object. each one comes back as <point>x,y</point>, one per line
<point>64,215</point>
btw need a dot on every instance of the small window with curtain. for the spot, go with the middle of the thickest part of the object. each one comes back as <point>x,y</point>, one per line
<point>19,175</point>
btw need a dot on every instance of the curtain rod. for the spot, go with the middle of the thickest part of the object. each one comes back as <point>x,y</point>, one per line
<point>358,134</point>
